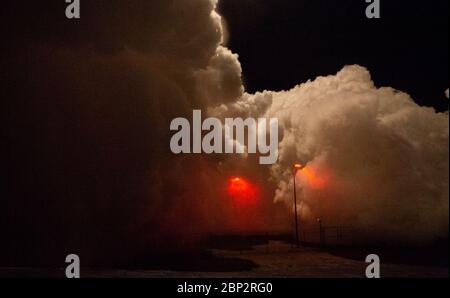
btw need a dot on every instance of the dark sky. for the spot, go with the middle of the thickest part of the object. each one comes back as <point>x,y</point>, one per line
<point>282,43</point>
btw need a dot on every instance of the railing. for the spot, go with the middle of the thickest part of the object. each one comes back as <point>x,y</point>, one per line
<point>327,235</point>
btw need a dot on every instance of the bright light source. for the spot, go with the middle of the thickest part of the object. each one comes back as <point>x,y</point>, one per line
<point>298,166</point>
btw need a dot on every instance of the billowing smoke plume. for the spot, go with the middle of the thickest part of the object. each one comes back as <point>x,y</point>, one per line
<point>88,108</point>
<point>87,111</point>
<point>375,160</point>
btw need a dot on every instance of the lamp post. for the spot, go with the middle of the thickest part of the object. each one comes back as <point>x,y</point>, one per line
<point>297,167</point>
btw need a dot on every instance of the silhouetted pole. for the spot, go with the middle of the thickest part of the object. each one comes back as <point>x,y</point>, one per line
<point>295,212</point>
<point>297,167</point>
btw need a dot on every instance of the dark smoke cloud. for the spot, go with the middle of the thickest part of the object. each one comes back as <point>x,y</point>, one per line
<point>87,111</point>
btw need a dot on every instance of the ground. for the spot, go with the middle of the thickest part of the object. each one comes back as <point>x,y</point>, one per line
<point>267,259</point>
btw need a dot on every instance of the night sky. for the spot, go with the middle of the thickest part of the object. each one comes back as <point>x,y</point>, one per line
<point>406,49</point>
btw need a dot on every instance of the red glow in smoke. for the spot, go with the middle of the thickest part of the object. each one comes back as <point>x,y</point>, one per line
<point>242,191</point>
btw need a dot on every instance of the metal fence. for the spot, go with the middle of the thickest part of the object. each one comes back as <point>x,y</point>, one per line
<point>327,235</point>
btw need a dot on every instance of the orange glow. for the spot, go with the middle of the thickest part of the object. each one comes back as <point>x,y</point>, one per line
<point>242,191</point>
<point>312,177</point>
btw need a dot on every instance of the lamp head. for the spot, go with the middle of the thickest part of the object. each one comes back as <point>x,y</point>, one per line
<point>298,167</point>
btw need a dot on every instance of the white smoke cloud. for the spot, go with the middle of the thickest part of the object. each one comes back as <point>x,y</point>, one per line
<point>375,159</point>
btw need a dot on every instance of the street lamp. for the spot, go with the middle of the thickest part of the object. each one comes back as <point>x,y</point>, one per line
<point>297,167</point>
